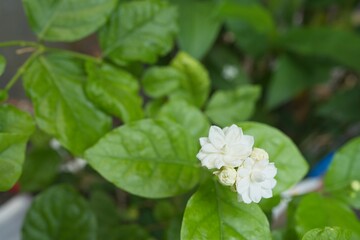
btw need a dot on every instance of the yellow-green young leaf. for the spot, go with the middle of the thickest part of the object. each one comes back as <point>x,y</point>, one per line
<point>115,91</point>
<point>59,213</point>
<point>328,233</point>
<point>310,42</point>
<point>2,64</point>
<point>67,20</point>
<point>291,165</point>
<point>230,106</point>
<point>15,129</point>
<point>185,114</point>
<point>149,158</point>
<point>315,211</point>
<point>161,81</point>
<point>195,87</point>
<point>213,212</point>
<point>198,26</point>
<point>55,86</point>
<point>139,31</point>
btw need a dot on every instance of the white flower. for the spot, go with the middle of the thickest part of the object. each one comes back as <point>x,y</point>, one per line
<point>259,154</point>
<point>227,176</point>
<point>255,180</point>
<point>225,147</point>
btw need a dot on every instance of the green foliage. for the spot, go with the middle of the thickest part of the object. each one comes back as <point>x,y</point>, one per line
<point>139,31</point>
<point>213,212</point>
<point>59,213</point>
<point>15,129</point>
<point>280,147</point>
<point>327,233</point>
<point>2,64</point>
<point>315,211</point>
<point>55,86</point>
<point>148,158</point>
<point>115,91</point>
<point>226,107</point>
<point>67,20</point>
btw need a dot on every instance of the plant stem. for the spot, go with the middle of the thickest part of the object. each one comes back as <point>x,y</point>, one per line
<point>75,54</point>
<point>23,68</point>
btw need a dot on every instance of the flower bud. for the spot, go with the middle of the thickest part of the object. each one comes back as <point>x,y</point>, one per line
<point>227,176</point>
<point>259,154</point>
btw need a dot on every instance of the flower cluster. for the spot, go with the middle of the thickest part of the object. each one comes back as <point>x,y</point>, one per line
<point>242,167</point>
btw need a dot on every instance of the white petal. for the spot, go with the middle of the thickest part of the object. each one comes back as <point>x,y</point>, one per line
<point>203,141</point>
<point>270,171</point>
<point>201,155</point>
<point>248,163</point>
<point>269,183</point>
<point>219,162</point>
<point>232,134</point>
<point>248,140</point>
<point>209,148</point>
<point>266,193</point>
<point>232,161</point>
<point>255,192</point>
<point>216,136</point>
<point>242,185</point>
<point>245,197</point>
<point>209,161</point>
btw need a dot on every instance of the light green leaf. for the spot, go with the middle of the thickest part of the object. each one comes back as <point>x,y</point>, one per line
<point>15,129</point>
<point>139,31</point>
<point>213,212</point>
<point>328,233</point>
<point>115,91</point>
<point>315,211</point>
<point>161,81</point>
<point>195,87</point>
<point>67,20</point>
<point>289,162</point>
<point>55,86</point>
<point>2,64</point>
<point>40,169</point>
<point>187,116</point>
<point>228,106</point>
<point>148,158</point>
<point>310,42</point>
<point>198,26</point>
<point>59,213</point>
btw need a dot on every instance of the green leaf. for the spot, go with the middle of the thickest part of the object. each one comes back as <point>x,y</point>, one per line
<point>228,106</point>
<point>59,213</point>
<point>161,81</point>
<point>213,212</point>
<point>2,64</point>
<point>15,129</point>
<point>293,76</point>
<point>148,158</point>
<point>289,162</point>
<point>199,26</point>
<point>67,20</point>
<point>132,232</point>
<point>195,87</point>
<point>153,107</point>
<point>328,233</point>
<point>139,31</point>
<point>55,86</point>
<point>115,91</point>
<point>310,42</point>
<point>187,116</point>
<point>40,169</point>
<point>315,211</point>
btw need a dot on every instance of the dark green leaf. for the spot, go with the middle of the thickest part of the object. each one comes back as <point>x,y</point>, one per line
<point>289,162</point>
<point>310,42</point>
<point>115,91</point>
<point>148,158</point>
<point>40,169</point>
<point>153,107</point>
<point>139,31</point>
<point>228,106</point>
<point>328,233</point>
<point>66,20</point>
<point>132,232</point>
<point>198,26</point>
<point>186,115</point>
<point>59,213</point>
<point>2,64</point>
<point>213,212</point>
<point>55,86</point>
<point>315,211</point>
<point>161,81</point>
<point>195,87</point>
<point>15,129</point>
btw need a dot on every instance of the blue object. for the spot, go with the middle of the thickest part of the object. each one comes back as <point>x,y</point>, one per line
<point>321,167</point>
